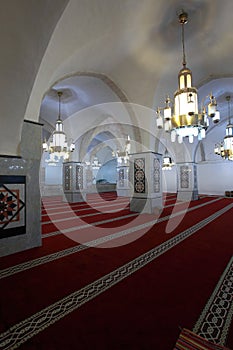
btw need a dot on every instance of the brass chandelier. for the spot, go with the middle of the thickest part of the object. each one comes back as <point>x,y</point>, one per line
<point>225,148</point>
<point>58,147</point>
<point>181,117</point>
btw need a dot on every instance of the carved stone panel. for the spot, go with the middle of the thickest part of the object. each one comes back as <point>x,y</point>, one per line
<point>156,176</point>
<point>139,175</point>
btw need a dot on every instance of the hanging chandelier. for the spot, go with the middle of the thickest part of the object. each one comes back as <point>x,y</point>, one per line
<point>167,161</point>
<point>58,147</point>
<point>181,118</point>
<point>225,148</point>
<point>96,165</point>
<point>123,156</point>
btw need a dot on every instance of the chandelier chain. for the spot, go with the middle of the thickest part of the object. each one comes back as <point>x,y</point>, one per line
<point>59,93</point>
<point>229,109</point>
<point>183,46</point>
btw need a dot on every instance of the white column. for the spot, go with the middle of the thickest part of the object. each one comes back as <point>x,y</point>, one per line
<point>123,184</point>
<point>19,182</point>
<point>187,181</point>
<point>74,182</point>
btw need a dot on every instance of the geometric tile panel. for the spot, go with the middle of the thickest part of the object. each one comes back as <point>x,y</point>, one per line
<point>9,202</point>
<point>79,177</point>
<point>139,175</point>
<point>121,175</point>
<point>12,205</point>
<point>195,176</point>
<point>156,175</point>
<point>184,176</point>
<point>67,177</point>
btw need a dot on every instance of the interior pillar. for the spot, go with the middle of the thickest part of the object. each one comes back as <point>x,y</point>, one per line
<point>20,201</point>
<point>123,184</point>
<point>187,181</point>
<point>146,180</point>
<point>74,182</point>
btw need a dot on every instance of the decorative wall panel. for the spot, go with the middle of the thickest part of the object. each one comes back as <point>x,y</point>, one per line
<point>139,175</point>
<point>121,176</point>
<point>195,176</point>
<point>89,176</point>
<point>79,177</point>
<point>156,175</point>
<point>67,178</point>
<point>184,176</point>
<point>12,205</point>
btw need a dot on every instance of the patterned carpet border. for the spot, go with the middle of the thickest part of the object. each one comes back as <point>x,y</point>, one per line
<point>215,319</point>
<point>26,329</point>
<point>60,254</point>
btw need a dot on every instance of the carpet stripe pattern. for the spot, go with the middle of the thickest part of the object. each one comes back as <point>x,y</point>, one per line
<point>45,259</point>
<point>26,329</point>
<point>151,223</point>
<point>135,294</point>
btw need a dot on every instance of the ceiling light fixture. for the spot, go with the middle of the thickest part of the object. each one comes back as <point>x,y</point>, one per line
<point>225,148</point>
<point>58,146</point>
<point>167,161</point>
<point>182,118</point>
<point>123,156</point>
<point>96,164</point>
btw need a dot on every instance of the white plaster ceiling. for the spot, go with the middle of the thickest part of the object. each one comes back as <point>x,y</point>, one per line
<point>138,44</point>
<point>26,28</point>
<point>78,92</point>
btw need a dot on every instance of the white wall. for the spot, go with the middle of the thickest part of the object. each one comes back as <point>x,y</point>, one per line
<point>169,178</point>
<point>53,175</point>
<point>108,171</point>
<point>215,178</point>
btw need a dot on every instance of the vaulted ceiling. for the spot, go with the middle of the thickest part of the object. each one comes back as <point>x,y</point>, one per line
<point>108,51</point>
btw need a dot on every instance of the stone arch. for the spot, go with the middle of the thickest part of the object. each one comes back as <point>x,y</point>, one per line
<point>114,87</point>
<point>117,132</point>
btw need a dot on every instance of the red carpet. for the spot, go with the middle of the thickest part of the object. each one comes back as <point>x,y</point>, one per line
<point>142,311</point>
